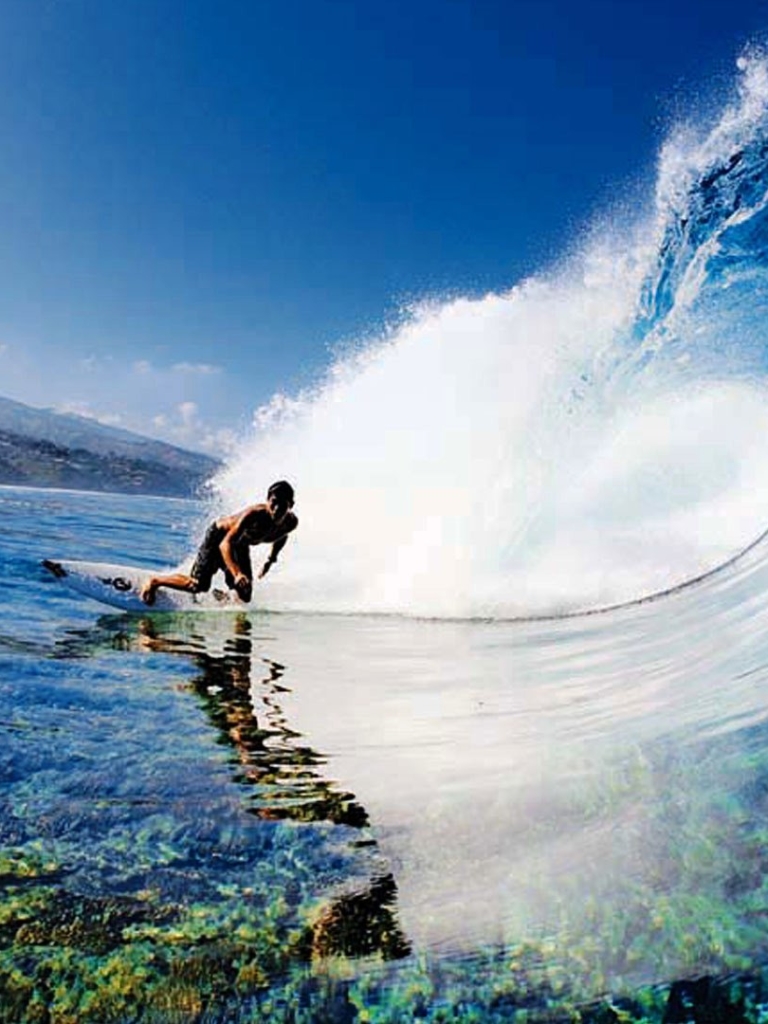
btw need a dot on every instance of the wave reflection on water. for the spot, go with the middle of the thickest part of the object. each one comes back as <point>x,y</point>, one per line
<point>563,808</point>
<point>522,781</point>
<point>516,775</point>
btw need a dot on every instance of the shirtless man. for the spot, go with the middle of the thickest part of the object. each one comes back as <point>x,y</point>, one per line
<point>227,545</point>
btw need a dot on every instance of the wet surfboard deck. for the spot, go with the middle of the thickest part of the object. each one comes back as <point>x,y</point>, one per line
<point>120,587</point>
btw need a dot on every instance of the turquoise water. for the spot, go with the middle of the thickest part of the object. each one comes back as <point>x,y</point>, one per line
<point>356,817</point>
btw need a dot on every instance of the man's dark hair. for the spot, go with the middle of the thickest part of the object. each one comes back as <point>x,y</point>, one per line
<point>281,490</point>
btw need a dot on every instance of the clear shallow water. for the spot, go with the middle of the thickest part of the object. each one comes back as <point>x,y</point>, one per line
<point>293,816</point>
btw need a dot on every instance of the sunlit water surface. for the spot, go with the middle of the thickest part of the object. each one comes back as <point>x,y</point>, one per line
<point>508,813</point>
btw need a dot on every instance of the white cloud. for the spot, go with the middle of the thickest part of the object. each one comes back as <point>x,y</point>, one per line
<point>109,419</point>
<point>204,369</point>
<point>75,408</point>
<point>145,367</point>
<point>219,442</point>
<point>184,427</point>
<point>188,413</point>
<point>280,408</point>
<point>172,401</point>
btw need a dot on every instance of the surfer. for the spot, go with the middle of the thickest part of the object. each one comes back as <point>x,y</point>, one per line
<point>227,543</point>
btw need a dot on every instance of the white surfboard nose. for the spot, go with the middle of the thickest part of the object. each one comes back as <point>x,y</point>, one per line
<point>120,586</point>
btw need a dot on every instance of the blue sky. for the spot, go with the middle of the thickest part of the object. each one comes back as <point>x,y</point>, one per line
<point>199,200</point>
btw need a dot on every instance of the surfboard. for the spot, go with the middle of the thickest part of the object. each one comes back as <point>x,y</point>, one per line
<point>120,587</point>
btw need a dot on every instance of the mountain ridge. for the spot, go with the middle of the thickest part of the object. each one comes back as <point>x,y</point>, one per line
<point>43,448</point>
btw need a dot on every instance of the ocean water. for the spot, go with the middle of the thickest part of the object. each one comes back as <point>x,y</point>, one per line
<point>308,816</point>
<point>491,744</point>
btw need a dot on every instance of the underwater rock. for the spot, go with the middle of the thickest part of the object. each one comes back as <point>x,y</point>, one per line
<point>704,1001</point>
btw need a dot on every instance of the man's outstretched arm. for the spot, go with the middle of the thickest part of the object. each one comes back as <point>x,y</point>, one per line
<point>225,547</point>
<point>277,547</point>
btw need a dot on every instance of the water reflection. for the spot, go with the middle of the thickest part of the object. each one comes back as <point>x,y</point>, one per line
<point>287,775</point>
<point>585,788</point>
<point>242,691</point>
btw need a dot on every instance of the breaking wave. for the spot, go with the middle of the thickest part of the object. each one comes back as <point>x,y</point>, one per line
<point>597,433</point>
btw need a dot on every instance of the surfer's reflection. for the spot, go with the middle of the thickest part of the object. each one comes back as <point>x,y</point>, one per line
<point>285,774</point>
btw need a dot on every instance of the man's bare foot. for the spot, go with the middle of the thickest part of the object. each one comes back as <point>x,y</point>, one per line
<point>148,592</point>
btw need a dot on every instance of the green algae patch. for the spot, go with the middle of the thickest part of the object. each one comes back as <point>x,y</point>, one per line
<point>73,959</point>
<point>251,953</point>
<point>21,865</point>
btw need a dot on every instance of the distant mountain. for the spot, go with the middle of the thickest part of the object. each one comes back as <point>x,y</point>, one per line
<point>42,448</point>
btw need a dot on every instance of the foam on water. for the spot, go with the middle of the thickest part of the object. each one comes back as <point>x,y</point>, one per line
<point>597,433</point>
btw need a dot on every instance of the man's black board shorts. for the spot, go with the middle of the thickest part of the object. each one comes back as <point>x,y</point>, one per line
<point>209,561</point>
